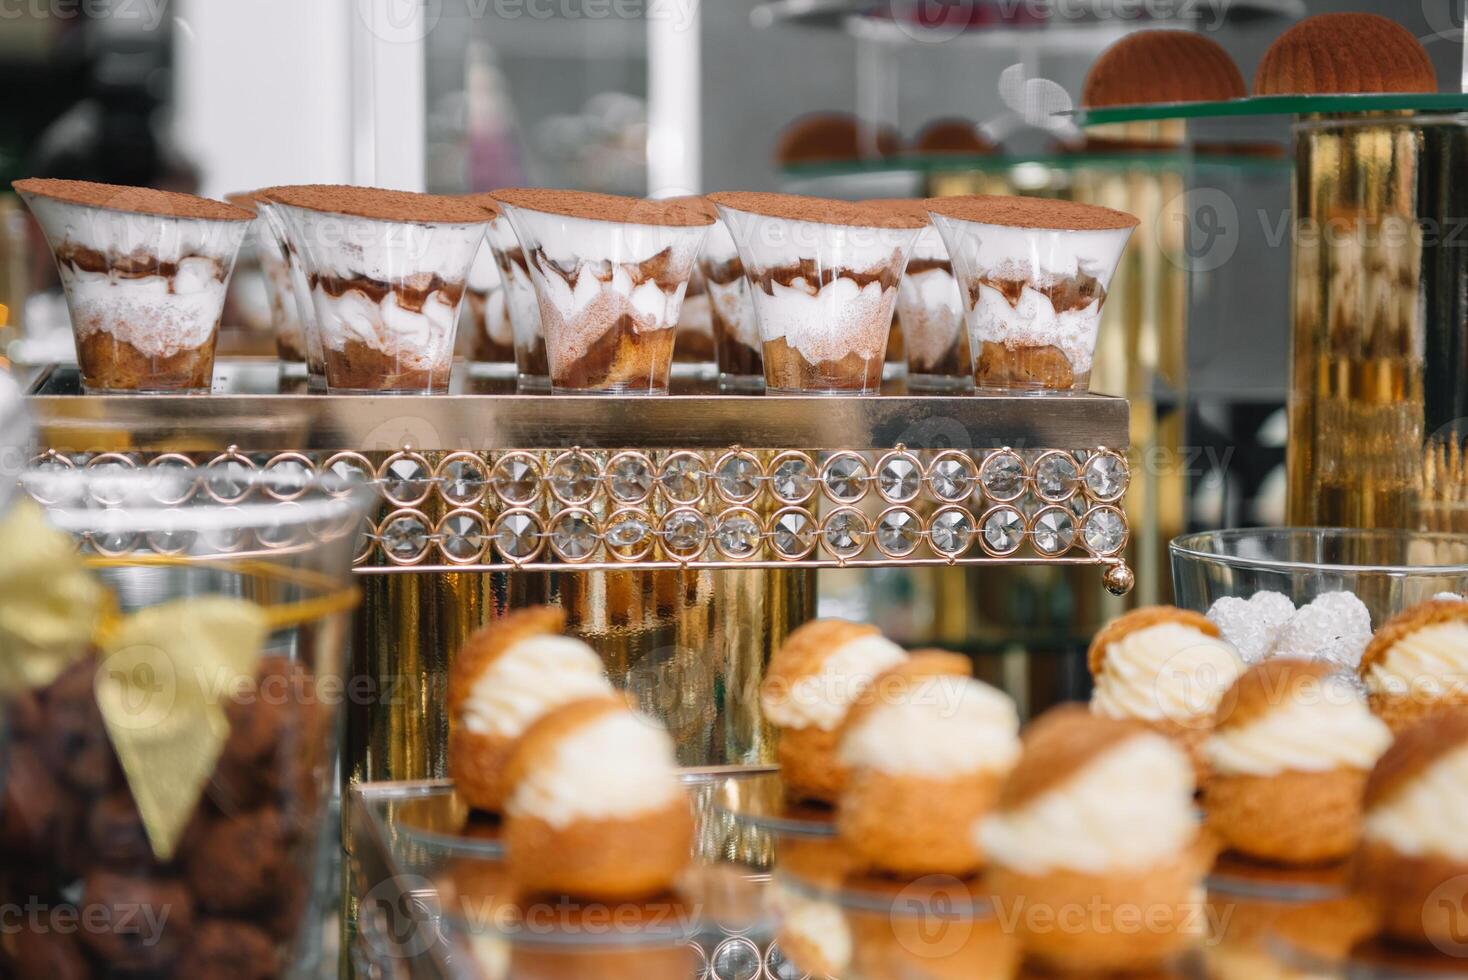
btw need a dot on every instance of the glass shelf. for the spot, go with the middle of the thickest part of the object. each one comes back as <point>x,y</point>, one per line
<point>1274,105</point>
<point>1184,158</point>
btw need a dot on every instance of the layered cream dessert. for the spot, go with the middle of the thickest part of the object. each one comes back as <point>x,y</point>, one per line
<point>737,346</point>
<point>145,274</point>
<point>930,311</point>
<point>1033,273</point>
<point>387,272</point>
<point>532,368</point>
<point>300,283</point>
<point>610,274</point>
<point>824,277</point>
<point>486,316</point>
<point>285,315</point>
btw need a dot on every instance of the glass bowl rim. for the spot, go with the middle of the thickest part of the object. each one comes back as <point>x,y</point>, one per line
<point>1187,546</point>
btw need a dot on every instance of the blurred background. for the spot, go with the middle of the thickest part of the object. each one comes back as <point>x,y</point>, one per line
<point>659,97</point>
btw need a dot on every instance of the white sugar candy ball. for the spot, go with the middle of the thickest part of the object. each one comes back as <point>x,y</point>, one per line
<point>1252,625</point>
<point>1336,626</point>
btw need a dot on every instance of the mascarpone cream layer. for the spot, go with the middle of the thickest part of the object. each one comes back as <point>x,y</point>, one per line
<point>1430,662</point>
<point>941,727</point>
<point>1425,817</point>
<point>820,699</point>
<point>1165,672</point>
<point>618,765</point>
<point>1327,728</point>
<point>527,680</point>
<point>1129,808</point>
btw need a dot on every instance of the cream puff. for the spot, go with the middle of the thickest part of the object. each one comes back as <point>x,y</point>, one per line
<point>820,670</point>
<point>1417,664</point>
<point>1095,831</point>
<point>507,675</point>
<point>926,750</point>
<point>812,932</point>
<point>1167,668</point>
<point>594,808</point>
<point>1289,756</point>
<point>1414,848</point>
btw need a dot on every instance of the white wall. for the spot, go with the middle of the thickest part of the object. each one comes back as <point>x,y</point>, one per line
<point>264,91</point>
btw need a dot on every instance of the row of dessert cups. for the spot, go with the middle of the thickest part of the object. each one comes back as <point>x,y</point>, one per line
<point>583,290</point>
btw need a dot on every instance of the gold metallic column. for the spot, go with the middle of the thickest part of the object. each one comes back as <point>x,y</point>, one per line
<point>1377,397</point>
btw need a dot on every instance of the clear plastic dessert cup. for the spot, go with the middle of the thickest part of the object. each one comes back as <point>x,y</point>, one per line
<point>694,343</point>
<point>387,272</point>
<point>484,323</point>
<point>285,314</point>
<point>738,351</point>
<point>300,282</point>
<point>145,274</point>
<point>610,274</point>
<point>930,312</point>
<point>823,275</point>
<point>1033,273</point>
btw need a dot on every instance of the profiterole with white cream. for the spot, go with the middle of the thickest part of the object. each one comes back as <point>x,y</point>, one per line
<point>926,750</point>
<point>1417,663</point>
<point>1098,816</point>
<point>594,807</point>
<point>813,679</point>
<point>507,675</point>
<point>1289,755</point>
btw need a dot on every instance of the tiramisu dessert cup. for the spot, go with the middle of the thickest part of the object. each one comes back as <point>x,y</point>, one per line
<point>1289,755</point>
<point>285,314</point>
<point>387,273</point>
<point>532,369</point>
<point>1033,273</point>
<point>930,312</point>
<point>610,274</point>
<point>737,345</point>
<point>594,808</point>
<point>145,274</point>
<point>1095,849</point>
<point>295,264</point>
<point>813,679</point>
<point>508,674</point>
<point>1417,663</point>
<point>1413,859</point>
<point>1167,668</point>
<point>926,750</point>
<point>694,343</point>
<point>824,276</point>
<point>484,323</point>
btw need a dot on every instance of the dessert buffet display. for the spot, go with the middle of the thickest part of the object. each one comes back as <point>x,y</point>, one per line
<point>911,828</point>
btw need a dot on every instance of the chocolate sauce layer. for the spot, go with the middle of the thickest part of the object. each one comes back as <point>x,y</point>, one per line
<point>657,269</point>
<point>917,267</point>
<point>134,265</point>
<point>410,296</point>
<point>818,276</point>
<point>723,273</point>
<point>1065,295</point>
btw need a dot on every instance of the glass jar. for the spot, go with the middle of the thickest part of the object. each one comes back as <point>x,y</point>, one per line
<point>173,643</point>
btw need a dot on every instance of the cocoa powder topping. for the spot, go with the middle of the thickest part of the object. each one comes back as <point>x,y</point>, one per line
<point>820,210</point>
<point>378,204</point>
<point>1031,212</point>
<point>673,213</point>
<point>133,200</point>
